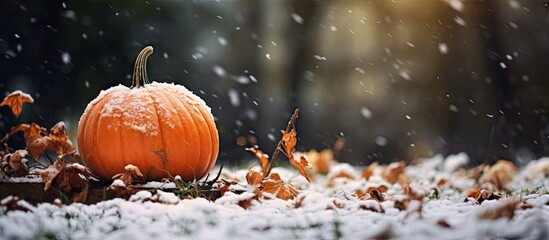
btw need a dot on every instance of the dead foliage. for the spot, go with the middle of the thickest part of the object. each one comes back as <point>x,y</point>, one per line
<point>15,101</point>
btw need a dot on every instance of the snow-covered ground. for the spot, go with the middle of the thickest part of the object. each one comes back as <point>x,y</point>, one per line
<point>326,208</point>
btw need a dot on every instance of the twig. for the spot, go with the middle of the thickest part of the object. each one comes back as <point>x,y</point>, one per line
<point>291,125</point>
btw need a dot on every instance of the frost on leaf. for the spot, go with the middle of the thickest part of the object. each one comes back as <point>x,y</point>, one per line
<point>123,181</point>
<point>275,186</point>
<point>14,164</point>
<point>15,101</point>
<point>68,177</point>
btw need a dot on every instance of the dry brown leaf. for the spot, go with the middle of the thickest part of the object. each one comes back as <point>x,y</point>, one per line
<point>376,195</point>
<point>30,131</point>
<point>505,210</point>
<point>262,157</point>
<point>254,178</point>
<point>443,223</point>
<point>246,203</point>
<point>52,172</point>
<point>14,164</point>
<point>12,203</point>
<point>277,187</point>
<point>402,204</point>
<point>223,186</point>
<point>393,171</point>
<point>474,192</point>
<point>486,195</point>
<point>369,171</point>
<point>36,146</point>
<point>301,166</point>
<point>322,161</point>
<point>289,140</point>
<point>499,175</point>
<point>131,172</point>
<point>15,101</point>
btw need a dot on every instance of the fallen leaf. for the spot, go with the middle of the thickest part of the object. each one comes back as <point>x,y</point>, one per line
<point>15,101</point>
<point>301,166</point>
<point>443,223</point>
<point>246,203</point>
<point>499,175</point>
<point>278,188</point>
<point>15,164</point>
<point>486,195</point>
<point>376,195</point>
<point>254,178</point>
<point>322,161</point>
<point>507,209</point>
<point>474,192</point>
<point>369,171</point>
<point>13,203</point>
<point>262,157</point>
<point>131,172</point>
<point>52,172</point>
<point>393,171</point>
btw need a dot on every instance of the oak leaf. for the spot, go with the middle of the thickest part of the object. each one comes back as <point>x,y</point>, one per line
<point>15,101</point>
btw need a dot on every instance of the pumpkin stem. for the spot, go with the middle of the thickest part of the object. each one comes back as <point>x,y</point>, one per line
<point>140,77</point>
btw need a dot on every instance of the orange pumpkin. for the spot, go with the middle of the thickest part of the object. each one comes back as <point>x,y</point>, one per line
<point>159,127</point>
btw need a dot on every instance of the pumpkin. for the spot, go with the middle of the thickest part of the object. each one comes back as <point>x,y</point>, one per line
<point>162,128</point>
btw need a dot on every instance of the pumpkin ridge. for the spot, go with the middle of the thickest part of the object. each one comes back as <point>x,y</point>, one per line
<point>92,121</point>
<point>197,160</point>
<point>203,164</point>
<point>99,162</point>
<point>213,137</point>
<point>210,140</point>
<point>181,122</point>
<point>160,132</point>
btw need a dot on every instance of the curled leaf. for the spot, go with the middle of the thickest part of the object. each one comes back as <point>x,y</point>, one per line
<point>131,172</point>
<point>14,164</point>
<point>36,146</point>
<point>301,166</point>
<point>15,101</point>
<point>289,140</point>
<point>30,131</point>
<point>262,157</point>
